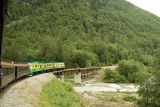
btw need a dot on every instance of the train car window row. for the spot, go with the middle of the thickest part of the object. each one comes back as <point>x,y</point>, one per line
<point>41,66</point>
<point>19,69</point>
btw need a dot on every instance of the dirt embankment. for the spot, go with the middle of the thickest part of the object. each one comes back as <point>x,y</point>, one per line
<point>107,94</point>
<point>25,93</point>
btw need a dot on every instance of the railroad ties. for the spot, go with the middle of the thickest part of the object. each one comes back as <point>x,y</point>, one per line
<point>79,73</point>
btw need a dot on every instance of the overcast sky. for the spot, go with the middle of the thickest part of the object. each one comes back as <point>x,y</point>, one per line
<point>152,6</point>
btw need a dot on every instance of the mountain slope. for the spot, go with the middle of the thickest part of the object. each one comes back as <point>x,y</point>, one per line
<point>82,32</point>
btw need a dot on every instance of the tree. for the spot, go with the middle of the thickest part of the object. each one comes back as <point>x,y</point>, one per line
<point>133,71</point>
<point>85,59</point>
<point>149,90</point>
<point>113,76</point>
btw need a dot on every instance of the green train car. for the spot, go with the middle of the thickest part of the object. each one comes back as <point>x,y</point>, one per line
<point>36,67</point>
<point>10,72</point>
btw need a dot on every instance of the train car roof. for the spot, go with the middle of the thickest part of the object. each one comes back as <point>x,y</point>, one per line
<point>6,63</point>
<point>22,65</point>
<point>13,64</point>
<point>38,62</point>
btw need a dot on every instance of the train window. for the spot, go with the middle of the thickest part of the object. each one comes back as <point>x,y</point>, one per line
<point>8,70</point>
<point>19,69</point>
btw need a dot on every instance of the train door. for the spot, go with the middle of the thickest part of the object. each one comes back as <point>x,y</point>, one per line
<point>16,70</point>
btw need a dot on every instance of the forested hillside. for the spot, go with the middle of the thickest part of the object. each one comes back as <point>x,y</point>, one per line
<point>81,33</point>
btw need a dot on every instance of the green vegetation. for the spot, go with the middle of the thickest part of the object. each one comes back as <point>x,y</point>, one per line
<point>149,91</point>
<point>81,33</point>
<point>128,71</point>
<point>130,98</point>
<point>113,76</point>
<point>107,99</point>
<point>59,94</point>
<point>120,97</point>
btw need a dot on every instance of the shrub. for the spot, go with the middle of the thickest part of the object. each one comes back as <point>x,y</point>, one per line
<point>133,71</point>
<point>149,92</point>
<point>59,94</point>
<point>113,76</point>
<point>130,98</point>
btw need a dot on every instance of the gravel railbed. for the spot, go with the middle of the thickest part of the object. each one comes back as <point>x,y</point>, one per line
<point>25,93</point>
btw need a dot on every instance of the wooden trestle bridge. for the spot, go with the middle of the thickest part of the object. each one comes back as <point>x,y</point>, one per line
<point>79,73</point>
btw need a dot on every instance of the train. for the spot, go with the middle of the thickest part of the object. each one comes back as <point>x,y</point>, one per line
<point>11,72</point>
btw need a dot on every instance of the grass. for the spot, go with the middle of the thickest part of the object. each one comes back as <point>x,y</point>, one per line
<point>69,78</point>
<point>107,99</point>
<point>100,75</point>
<point>119,97</point>
<point>59,94</point>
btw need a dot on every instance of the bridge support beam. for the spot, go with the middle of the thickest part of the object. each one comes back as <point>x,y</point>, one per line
<point>77,78</point>
<point>62,78</point>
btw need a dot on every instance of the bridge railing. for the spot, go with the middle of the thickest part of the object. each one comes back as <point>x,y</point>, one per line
<point>76,70</point>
